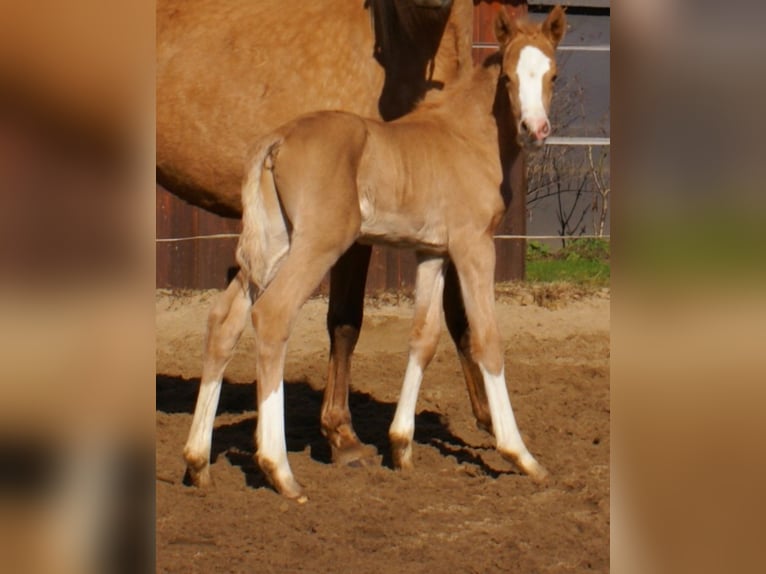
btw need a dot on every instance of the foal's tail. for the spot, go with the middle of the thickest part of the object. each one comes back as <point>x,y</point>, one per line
<point>264,240</point>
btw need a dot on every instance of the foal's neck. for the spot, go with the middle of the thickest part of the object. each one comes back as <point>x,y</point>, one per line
<point>471,102</point>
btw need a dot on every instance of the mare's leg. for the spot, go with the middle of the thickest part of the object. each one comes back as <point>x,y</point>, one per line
<point>475,264</point>
<point>344,320</point>
<point>226,322</point>
<point>423,340</point>
<point>457,324</point>
<point>310,257</point>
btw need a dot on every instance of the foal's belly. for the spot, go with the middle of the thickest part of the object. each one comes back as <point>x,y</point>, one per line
<point>398,228</point>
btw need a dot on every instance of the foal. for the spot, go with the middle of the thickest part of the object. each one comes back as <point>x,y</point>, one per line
<point>432,181</point>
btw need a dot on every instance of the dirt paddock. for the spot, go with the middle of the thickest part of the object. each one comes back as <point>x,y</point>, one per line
<point>461,509</point>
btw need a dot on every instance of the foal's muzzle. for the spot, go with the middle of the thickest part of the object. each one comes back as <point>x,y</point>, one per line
<point>535,130</point>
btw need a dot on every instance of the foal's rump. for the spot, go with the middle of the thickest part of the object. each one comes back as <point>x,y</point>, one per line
<point>317,162</point>
<point>300,177</point>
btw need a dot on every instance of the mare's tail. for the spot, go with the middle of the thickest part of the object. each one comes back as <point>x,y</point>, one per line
<point>264,240</point>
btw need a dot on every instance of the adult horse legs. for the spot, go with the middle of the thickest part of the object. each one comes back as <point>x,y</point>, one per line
<point>226,322</point>
<point>475,265</point>
<point>423,340</point>
<point>457,324</point>
<point>344,320</point>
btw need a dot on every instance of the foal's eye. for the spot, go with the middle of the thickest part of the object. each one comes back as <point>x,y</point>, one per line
<point>554,77</point>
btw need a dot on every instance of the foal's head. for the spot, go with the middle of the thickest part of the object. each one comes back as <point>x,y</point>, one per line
<point>529,67</point>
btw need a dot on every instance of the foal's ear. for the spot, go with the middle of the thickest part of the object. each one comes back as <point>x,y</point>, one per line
<point>555,25</point>
<point>505,27</point>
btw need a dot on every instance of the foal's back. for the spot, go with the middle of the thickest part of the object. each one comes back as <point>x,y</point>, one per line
<point>403,182</point>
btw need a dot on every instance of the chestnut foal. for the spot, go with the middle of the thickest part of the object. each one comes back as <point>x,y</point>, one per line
<point>432,181</point>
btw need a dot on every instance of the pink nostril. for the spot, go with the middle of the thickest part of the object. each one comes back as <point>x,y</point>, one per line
<point>539,129</point>
<point>544,130</point>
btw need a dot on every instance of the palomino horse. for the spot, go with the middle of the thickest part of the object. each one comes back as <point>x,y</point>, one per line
<point>230,71</point>
<point>433,181</point>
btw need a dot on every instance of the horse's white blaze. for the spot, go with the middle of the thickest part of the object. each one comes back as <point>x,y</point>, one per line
<point>201,432</point>
<point>503,422</point>
<point>270,432</point>
<point>530,70</point>
<point>403,424</point>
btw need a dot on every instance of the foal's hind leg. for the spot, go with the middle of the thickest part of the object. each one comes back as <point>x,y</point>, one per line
<point>457,324</point>
<point>344,320</point>
<point>423,340</point>
<point>226,322</point>
<point>475,264</point>
<point>273,315</point>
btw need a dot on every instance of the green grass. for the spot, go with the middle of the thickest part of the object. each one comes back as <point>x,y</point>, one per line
<point>705,245</point>
<point>582,261</point>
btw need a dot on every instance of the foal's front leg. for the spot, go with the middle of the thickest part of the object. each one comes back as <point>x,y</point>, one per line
<point>426,326</point>
<point>475,264</point>
<point>457,325</point>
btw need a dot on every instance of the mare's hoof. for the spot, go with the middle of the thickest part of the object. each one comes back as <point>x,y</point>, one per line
<point>356,456</point>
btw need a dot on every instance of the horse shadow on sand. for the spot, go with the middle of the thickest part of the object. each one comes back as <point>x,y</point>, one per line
<point>372,417</point>
<point>303,404</point>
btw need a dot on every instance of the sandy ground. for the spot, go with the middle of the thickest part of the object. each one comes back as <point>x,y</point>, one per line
<point>461,509</point>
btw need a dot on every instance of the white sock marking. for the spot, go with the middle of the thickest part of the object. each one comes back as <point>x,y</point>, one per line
<point>404,419</point>
<point>270,432</point>
<point>201,432</point>
<point>503,422</point>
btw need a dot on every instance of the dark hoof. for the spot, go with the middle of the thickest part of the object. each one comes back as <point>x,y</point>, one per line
<point>356,456</point>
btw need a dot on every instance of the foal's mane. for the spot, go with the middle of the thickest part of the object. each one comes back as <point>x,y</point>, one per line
<point>483,76</point>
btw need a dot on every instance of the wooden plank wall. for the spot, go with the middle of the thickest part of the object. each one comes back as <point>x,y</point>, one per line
<point>208,263</point>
